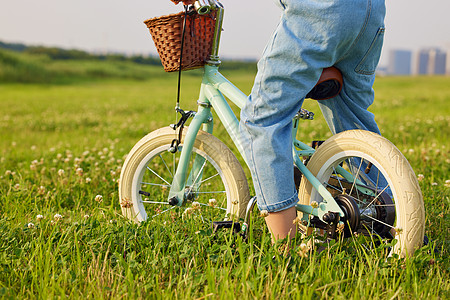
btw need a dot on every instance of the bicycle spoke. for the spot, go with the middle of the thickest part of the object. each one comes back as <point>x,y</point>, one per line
<point>376,197</point>
<point>148,168</point>
<point>167,167</point>
<point>207,205</point>
<point>333,187</point>
<point>356,176</point>
<point>217,174</point>
<point>174,158</point>
<point>154,202</point>
<point>379,221</point>
<point>163,211</point>
<point>156,184</point>
<point>337,175</point>
<point>211,192</point>
<point>199,172</point>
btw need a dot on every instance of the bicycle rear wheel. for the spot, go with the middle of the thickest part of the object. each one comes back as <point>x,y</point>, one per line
<point>219,190</point>
<point>389,203</point>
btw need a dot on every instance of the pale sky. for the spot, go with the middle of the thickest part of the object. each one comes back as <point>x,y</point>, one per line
<point>118,24</point>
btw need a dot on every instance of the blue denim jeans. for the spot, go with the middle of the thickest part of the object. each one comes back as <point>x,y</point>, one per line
<point>311,35</point>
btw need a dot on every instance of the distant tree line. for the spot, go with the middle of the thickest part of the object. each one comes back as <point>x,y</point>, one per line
<point>74,54</point>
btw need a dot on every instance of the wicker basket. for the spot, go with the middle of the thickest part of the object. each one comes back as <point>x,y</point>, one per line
<point>166,32</point>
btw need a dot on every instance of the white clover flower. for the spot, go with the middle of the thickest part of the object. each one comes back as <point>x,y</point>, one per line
<point>57,217</point>
<point>30,225</point>
<point>79,172</point>
<point>17,186</point>
<point>98,198</point>
<point>447,183</point>
<point>187,212</point>
<point>88,180</point>
<point>212,202</point>
<point>8,172</point>
<point>420,177</point>
<point>60,172</point>
<point>303,250</point>
<point>303,246</point>
<point>195,205</point>
<point>41,190</point>
<point>264,213</point>
<point>126,203</point>
<point>39,217</point>
<point>86,216</point>
<point>434,183</point>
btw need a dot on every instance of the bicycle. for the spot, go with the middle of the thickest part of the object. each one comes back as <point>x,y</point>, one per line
<point>355,182</point>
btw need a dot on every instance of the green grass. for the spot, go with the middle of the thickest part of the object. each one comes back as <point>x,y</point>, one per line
<point>49,132</point>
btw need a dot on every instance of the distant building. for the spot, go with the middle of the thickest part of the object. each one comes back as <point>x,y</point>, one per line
<point>423,62</point>
<point>399,62</point>
<point>440,62</point>
<point>432,61</point>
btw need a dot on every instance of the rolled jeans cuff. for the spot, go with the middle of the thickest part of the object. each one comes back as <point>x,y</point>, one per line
<point>278,206</point>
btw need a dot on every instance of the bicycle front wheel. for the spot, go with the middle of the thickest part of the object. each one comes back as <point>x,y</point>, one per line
<point>375,186</point>
<point>216,188</point>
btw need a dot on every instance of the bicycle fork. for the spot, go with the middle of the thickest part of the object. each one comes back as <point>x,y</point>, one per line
<point>178,192</point>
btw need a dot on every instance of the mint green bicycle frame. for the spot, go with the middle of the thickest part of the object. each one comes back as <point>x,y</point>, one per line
<point>214,88</point>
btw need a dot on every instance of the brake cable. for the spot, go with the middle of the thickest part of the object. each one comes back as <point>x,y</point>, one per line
<point>180,124</point>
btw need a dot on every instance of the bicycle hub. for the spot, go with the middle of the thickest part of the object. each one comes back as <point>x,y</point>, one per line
<point>173,201</point>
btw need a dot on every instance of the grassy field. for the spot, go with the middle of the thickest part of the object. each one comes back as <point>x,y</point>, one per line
<point>62,234</point>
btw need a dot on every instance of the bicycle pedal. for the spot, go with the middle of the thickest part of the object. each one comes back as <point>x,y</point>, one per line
<point>227,224</point>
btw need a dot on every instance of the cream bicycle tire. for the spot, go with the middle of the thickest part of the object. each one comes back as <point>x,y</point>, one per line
<point>409,209</point>
<point>155,145</point>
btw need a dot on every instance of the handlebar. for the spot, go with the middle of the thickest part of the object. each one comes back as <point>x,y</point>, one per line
<point>204,6</point>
